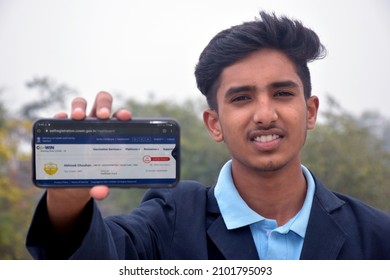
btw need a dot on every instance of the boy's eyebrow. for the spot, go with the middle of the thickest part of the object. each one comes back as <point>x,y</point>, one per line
<point>274,85</point>
<point>282,84</point>
<point>234,90</point>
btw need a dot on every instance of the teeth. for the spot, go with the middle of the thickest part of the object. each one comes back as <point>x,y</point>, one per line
<point>266,138</point>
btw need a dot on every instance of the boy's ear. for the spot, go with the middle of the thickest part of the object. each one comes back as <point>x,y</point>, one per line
<point>313,104</point>
<point>211,121</point>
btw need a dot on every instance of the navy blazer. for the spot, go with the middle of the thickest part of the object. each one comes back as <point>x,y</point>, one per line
<point>185,223</point>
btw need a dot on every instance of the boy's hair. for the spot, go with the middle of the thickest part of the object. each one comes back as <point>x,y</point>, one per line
<point>299,43</point>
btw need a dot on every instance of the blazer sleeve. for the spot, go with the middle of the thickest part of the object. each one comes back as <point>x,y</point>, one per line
<point>143,234</point>
<point>44,243</point>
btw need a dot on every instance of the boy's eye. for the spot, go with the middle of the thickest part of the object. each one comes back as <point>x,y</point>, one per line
<point>283,93</point>
<point>240,98</point>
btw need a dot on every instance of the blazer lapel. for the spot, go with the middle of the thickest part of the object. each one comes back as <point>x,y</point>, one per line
<point>324,236</point>
<point>234,244</point>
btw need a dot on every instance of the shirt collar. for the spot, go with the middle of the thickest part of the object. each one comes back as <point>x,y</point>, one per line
<point>236,213</point>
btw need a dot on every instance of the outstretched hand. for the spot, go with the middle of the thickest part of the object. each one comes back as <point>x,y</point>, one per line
<point>65,204</point>
<point>101,109</point>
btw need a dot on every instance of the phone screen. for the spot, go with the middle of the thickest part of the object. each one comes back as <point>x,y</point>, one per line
<point>136,153</point>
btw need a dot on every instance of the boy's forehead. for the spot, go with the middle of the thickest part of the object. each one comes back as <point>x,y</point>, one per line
<point>264,66</point>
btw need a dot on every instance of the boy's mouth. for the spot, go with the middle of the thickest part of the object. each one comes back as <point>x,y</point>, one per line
<point>266,138</point>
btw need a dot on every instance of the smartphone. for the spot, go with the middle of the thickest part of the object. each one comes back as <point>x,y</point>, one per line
<point>141,153</point>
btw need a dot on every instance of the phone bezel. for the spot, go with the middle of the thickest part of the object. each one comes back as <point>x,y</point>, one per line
<point>153,122</point>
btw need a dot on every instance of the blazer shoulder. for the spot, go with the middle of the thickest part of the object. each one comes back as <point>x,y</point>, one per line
<point>183,189</point>
<point>350,228</point>
<point>366,213</point>
<point>186,194</point>
<point>350,207</point>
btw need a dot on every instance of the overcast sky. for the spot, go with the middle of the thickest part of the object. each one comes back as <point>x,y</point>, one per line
<point>138,47</point>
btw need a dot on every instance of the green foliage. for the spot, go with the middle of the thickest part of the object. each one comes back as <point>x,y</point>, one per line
<point>15,215</point>
<point>49,94</point>
<point>17,197</point>
<point>349,156</point>
<point>2,111</point>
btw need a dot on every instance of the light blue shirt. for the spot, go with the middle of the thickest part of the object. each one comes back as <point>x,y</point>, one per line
<point>272,242</point>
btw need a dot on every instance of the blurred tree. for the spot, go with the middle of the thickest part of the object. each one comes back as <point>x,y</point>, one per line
<point>349,155</point>
<point>49,94</point>
<point>17,197</point>
<point>2,110</point>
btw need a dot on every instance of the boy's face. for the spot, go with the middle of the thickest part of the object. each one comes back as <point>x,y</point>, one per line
<point>262,115</point>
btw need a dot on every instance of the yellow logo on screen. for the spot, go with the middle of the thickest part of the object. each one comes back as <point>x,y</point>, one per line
<point>50,168</point>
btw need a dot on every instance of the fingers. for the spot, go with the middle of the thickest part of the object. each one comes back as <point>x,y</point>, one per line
<point>101,108</point>
<point>123,115</point>
<point>79,106</point>
<point>99,192</point>
<point>61,115</point>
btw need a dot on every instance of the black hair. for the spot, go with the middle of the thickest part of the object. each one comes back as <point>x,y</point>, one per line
<point>299,43</point>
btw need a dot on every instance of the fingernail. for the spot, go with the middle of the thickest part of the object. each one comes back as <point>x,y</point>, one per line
<point>77,110</point>
<point>104,112</point>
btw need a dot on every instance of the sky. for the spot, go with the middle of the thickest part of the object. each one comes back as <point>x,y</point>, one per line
<point>140,49</point>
